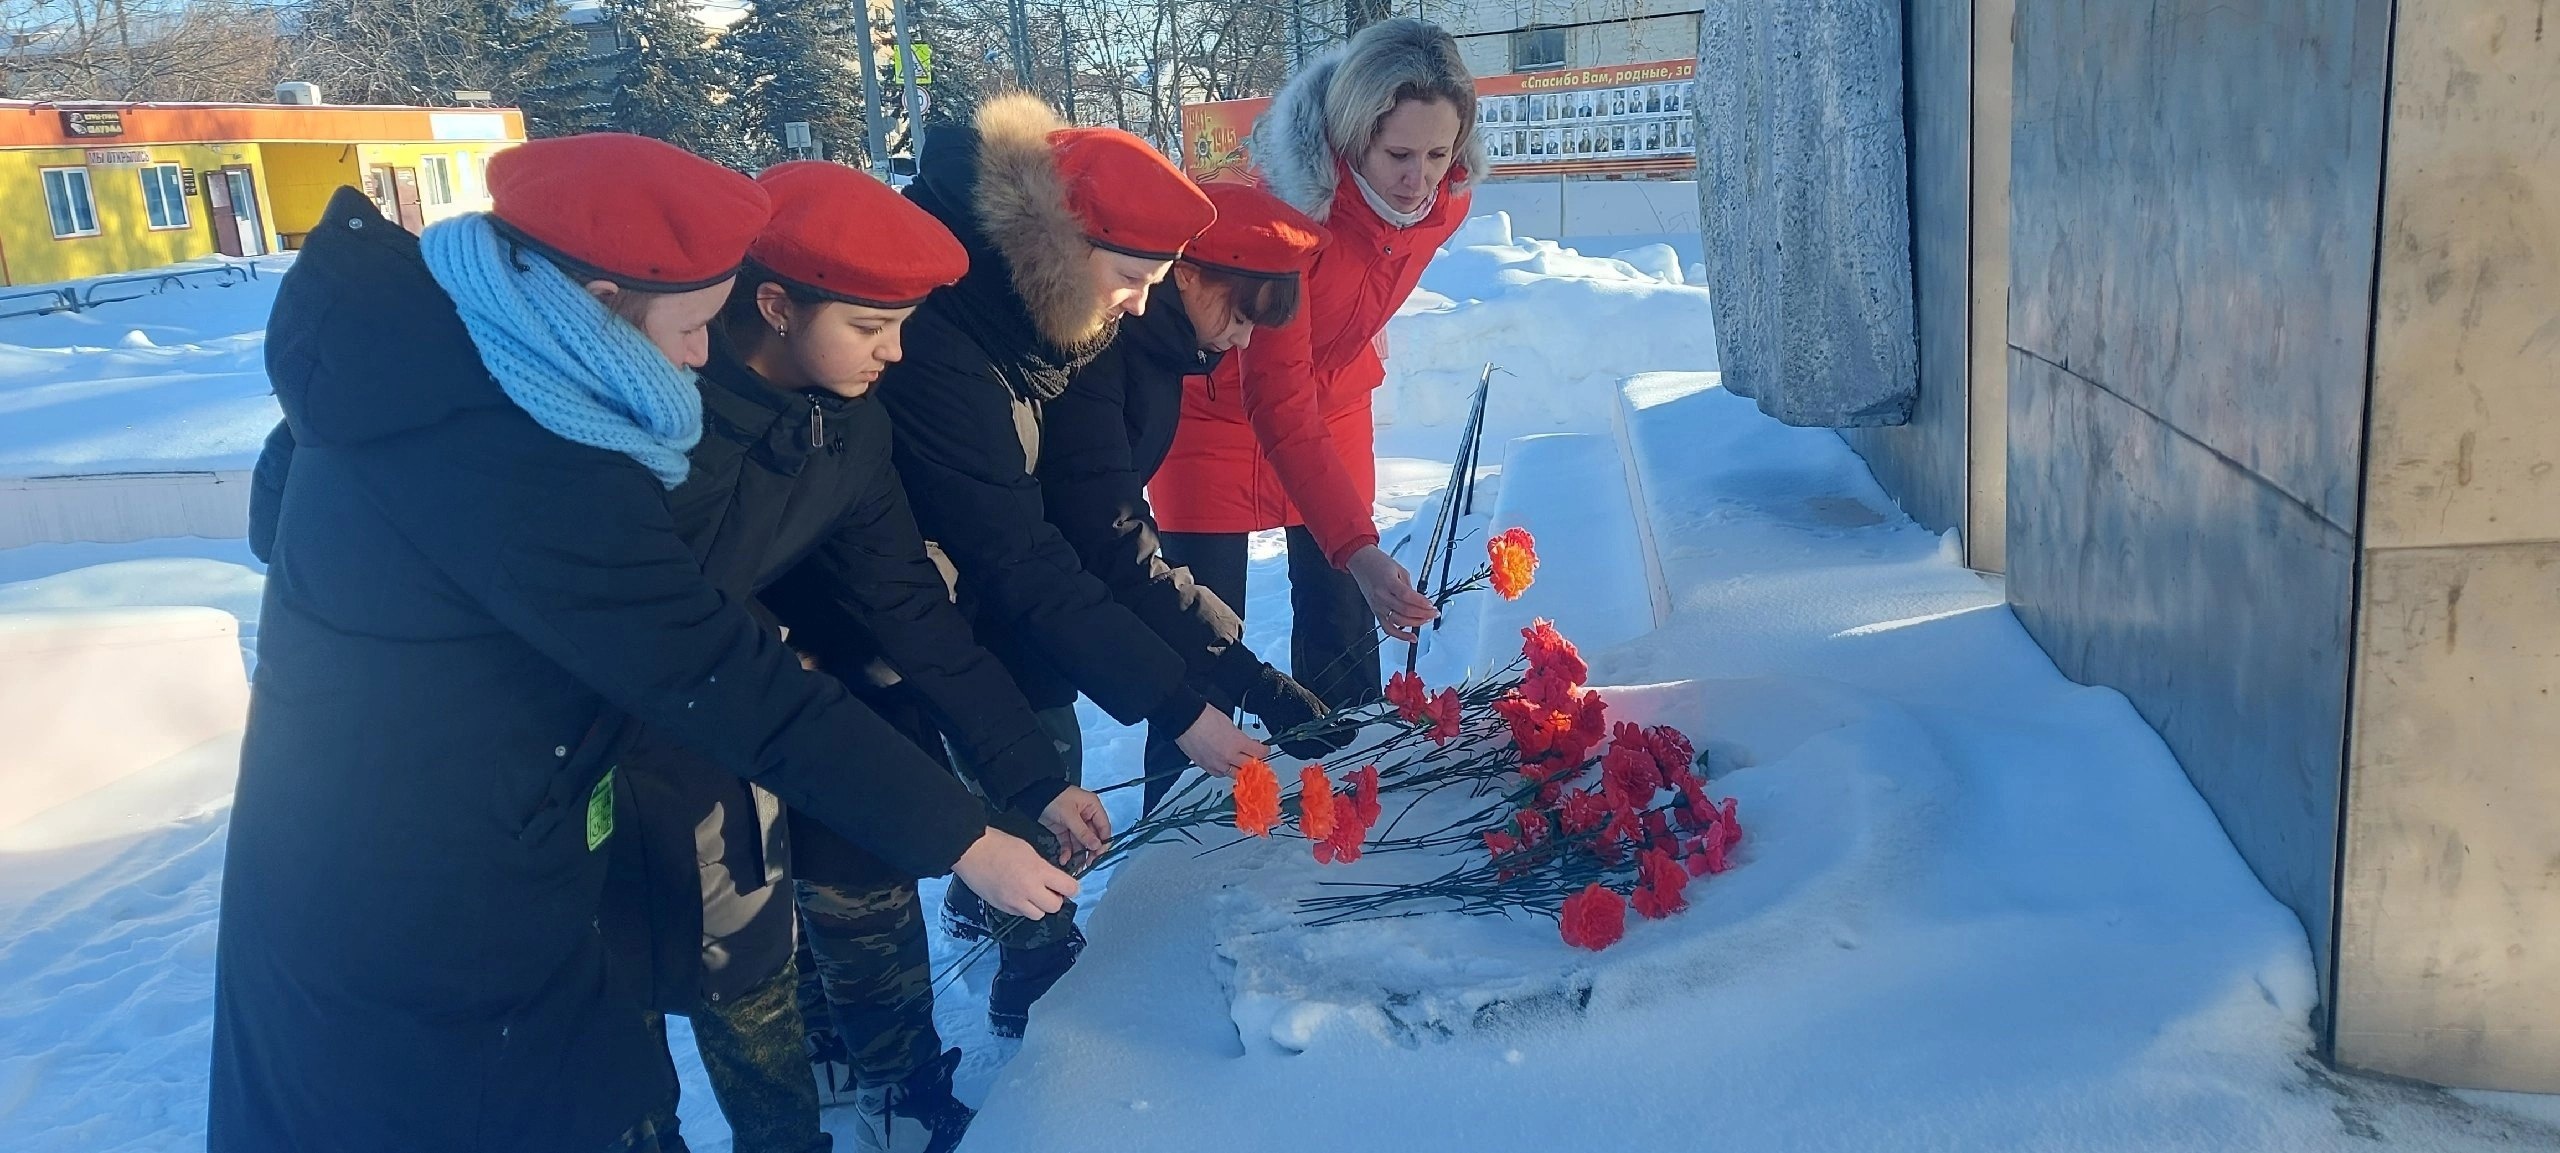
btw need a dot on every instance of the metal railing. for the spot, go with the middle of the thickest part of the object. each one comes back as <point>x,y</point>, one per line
<point>90,294</point>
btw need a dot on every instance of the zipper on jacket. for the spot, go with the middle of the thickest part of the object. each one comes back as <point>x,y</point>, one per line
<point>817,424</point>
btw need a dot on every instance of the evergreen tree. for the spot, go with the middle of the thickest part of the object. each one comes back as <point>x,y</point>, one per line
<point>542,59</point>
<point>523,52</point>
<point>676,81</point>
<point>800,65</point>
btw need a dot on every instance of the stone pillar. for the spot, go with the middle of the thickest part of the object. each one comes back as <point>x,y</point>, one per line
<point>1804,201</point>
<point>2448,963</point>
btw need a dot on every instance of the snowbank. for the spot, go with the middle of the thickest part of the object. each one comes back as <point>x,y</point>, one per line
<point>91,697</point>
<point>1563,326</point>
<point>170,382</point>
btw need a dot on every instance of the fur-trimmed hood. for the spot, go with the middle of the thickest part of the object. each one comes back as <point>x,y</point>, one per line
<point>995,184</point>
<point>1288,143</point>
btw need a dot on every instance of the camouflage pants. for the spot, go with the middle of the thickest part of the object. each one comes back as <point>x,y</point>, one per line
<point>872,978</point>
<point>753,1050</point>
<point>868,966</point>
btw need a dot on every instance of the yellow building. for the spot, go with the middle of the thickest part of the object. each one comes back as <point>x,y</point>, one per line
<point>89,189</point>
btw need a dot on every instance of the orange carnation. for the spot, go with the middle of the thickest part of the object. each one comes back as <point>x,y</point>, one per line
<point>1315,803</point>
<point>1514,555</point>
<point>1257,798</point>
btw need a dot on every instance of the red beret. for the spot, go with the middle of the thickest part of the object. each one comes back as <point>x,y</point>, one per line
<point>845,236</point>
<point>639,212</point>
<point>1130,198</point>
<point>1256,234</point>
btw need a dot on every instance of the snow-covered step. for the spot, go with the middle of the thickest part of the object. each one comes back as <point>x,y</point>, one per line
<point>111,508</point>
<point>1596,579</point>
<point>88,698</point>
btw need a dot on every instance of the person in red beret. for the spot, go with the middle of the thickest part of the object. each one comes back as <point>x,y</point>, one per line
<point>477,603</point>
<point>1067,229</point>
<point>1104,437</point>
<point>793,505</point>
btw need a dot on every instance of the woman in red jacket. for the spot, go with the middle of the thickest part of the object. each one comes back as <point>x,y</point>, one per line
<point>1377,141</point>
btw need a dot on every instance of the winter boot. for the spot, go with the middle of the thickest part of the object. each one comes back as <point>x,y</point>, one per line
<point>916,1115</point>
<point>965,916</point>
<point>1023,976</point>
<point>833,1068</point>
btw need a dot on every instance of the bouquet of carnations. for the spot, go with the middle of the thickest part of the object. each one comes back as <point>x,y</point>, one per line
<point>1573,818</point>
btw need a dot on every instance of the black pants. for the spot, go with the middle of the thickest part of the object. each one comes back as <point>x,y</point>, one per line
<point>1333,638</point>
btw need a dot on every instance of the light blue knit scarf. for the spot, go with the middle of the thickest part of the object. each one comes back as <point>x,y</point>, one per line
<point>577,369</point>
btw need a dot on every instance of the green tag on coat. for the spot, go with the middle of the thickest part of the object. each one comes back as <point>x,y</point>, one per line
<point>600,811</point>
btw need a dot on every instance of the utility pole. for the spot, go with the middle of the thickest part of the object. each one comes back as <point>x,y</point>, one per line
<point>1067,53</point>
<point>907,74</point>
<point>876,134</point>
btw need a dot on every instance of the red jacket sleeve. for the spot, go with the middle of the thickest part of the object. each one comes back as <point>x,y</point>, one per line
<point>1282,401</point>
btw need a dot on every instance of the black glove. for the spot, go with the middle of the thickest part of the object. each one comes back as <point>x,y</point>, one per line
<point>1284,704</point>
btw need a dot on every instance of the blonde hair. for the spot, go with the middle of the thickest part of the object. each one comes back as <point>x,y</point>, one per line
<point>1387,64</point>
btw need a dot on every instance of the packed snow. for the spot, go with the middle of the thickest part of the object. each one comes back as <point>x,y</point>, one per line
<point>1980,907</point>
<point>174,381</point>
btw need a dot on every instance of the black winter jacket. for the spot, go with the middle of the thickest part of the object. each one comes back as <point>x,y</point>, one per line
<point>1101,440</point>
<point>800,483</point>
<point>461,609</point>
<point>982,359</point>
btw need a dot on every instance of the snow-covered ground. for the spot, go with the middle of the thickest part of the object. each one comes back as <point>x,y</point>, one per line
<point>1980,907</point>
<point>167,382</point>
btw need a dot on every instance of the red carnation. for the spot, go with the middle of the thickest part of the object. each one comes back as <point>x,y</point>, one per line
<point>1551,655</point>
<point>1659,890</point>
<point>1628,773</point>
<point>1364,795</point>
<point>1594,918</point>
<point>1715,856</point>
<point>1548,690</point>
<point>1657,831</point>
<point>1672,750</point>
<point>1584,812</point>
<point>1514,560</point>
<point>1342,845</point>
<point>1500,844</point>
<point>1590,724</point>
<point>1444,716</point>
<point>1412,701</point>
<point>1528,724</point>
<point>1697,813</point>
<point>1729,822</point>
<point>1533,826</point>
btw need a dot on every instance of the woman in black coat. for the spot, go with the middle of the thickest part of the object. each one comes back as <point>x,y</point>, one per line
<point>473,601</point>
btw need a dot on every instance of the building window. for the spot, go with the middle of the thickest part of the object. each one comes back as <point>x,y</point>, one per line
<point>439,174</point>
<point>1536,48</point>
<point>471,182</point>
<point>164,197</point>
<point>75,211</point>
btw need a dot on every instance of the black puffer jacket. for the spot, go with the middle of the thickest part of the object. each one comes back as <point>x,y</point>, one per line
<point>461,608</point>
<point>801,483</point>
<point>1101,440</point>
<point>982,359</point>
